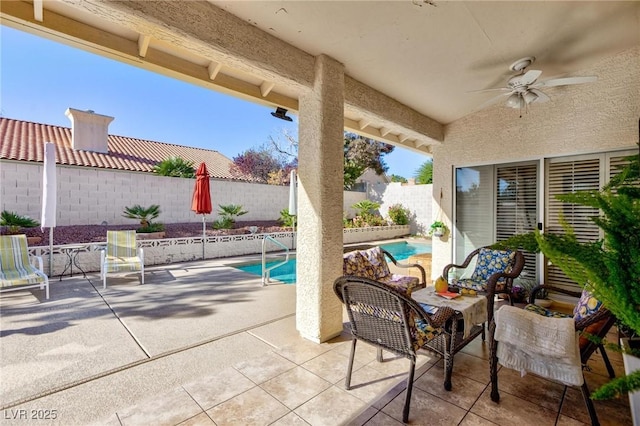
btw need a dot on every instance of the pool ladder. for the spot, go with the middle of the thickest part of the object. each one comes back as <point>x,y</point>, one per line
<point>266,272</point>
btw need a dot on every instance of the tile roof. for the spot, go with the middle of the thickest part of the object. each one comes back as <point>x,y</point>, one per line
<point>24,141</point>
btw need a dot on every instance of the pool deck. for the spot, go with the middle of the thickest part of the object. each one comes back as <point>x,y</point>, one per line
<point>204,343</point>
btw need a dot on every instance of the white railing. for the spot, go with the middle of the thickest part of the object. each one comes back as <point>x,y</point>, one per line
<point>267,271</point>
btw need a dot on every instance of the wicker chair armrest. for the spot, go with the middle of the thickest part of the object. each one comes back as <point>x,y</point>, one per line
<point>406,265</point>
<point>467,261</point>
<point>593,318</point>
<point>437,320</point>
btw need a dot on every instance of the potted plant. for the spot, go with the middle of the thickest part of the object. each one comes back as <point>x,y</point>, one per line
<point>146,215</point>
<point>14,222</point>
<point>438,229</point>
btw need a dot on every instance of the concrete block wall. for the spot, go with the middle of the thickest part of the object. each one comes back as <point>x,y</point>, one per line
<point>90,196</point>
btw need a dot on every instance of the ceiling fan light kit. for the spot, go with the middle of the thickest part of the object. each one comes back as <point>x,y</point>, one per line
<point>523,89</point>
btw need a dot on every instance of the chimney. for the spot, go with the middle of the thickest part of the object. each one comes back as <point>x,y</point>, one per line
<point>89,130</point>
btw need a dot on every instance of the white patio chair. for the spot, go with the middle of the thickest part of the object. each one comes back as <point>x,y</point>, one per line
<point>121,255</point>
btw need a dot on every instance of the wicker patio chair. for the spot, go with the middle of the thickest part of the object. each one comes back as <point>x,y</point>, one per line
<point>590,317</point>
<point>493,274</point>
<point>387,319</point>
<point>373,264</point>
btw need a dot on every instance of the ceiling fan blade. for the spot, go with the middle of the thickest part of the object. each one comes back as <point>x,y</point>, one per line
<point>565,81</point>
<point>541,96</point>
<point>493,100</point>
<point>501,89</point>
<point>530,77</point>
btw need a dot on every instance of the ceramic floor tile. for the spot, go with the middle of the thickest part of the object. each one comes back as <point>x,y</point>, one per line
<point>568,421</point>
<point>154,410</point>
<point>610,412</point>
<point>364,417</point>
<point>425,409</point>
<point>512,410</point>
<point>368,383</point>
<point>332,407</point>
<point>532,388</point>
<point>331,366</point>
<point>252,408</point>
<point>261,369</point>
<point>381,419</point>
<point>474,420</point>
<point>465,392</point>
<point>470,366</point>
<point>364,351</point>
<point>477,348</point>
<point>200,420</point>
<point>302,351</point>
<point>291,419</point>
<point>219,387</point>
<point>395,365</point>
<point>295,387</point>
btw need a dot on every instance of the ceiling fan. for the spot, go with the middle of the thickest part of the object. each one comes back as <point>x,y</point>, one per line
<point>524,89</point>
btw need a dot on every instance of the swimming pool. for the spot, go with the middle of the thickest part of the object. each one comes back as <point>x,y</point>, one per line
<point>286,273</point>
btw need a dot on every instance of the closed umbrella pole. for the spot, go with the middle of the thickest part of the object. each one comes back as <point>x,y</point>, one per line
<point>293,199</point>
<point>201,201</point>
<point>48,217</point>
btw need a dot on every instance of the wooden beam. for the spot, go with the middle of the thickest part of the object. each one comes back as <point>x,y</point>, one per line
<point>266,87</point>
<point>38,10</point>
<point>143,45</point>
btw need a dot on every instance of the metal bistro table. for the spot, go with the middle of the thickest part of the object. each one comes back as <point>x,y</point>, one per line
<point>472,313</point>
<point>72,251</point>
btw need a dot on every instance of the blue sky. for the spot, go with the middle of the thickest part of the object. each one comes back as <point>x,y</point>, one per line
<point>40,79</point>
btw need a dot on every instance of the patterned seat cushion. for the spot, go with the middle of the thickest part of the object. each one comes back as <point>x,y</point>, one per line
<point>403,283</point>
<point>376,265</point>
<point>491,261</point>
<point>545,312</point>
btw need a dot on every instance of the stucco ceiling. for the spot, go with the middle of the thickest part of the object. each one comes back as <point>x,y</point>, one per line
<point>429,55</point>
<point>426,55</point>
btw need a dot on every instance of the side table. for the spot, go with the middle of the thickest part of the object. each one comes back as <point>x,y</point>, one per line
<point>72,251</point>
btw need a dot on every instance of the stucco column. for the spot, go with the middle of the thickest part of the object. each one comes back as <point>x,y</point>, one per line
<point>319,252</point>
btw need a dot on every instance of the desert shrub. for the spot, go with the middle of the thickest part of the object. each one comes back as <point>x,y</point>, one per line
<point>398,214</point>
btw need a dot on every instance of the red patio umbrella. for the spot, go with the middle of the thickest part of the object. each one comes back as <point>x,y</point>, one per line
<point>201,202</point>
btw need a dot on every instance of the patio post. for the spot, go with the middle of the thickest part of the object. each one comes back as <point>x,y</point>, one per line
<point>320,199</point>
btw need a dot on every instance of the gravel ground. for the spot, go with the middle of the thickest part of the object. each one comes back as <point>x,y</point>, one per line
<point>98,233</point>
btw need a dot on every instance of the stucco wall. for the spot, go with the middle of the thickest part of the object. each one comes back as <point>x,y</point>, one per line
<point>594,117</point>
<point>416,198</point>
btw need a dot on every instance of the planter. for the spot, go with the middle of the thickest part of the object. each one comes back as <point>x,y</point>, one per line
<point>150,235</point>
<point>438,232</point>
<point>631,364</point>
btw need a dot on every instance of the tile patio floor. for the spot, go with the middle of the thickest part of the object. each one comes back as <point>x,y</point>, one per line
<point>205,344</point>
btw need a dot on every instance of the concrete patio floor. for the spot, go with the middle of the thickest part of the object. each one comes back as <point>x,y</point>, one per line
<point>204,343</point>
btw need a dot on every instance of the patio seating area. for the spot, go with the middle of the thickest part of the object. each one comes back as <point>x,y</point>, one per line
<point>204,343</point>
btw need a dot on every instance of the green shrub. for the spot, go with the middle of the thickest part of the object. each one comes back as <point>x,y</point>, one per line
<point>175,167</point>
<point>223,223</point>
<point>286,219</point>
<point>398,214</point>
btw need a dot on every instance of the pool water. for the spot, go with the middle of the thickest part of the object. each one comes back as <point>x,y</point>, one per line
<point>286,273</point>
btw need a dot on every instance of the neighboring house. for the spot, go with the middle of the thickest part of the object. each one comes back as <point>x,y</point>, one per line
<point>88,144</point>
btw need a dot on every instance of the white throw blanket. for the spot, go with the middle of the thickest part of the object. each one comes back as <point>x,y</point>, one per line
<point>537,344</point>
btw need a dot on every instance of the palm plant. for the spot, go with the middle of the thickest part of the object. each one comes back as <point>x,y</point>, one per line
<point>175,167</point>
<point>228,214</point>
<point>145,215</point>
<point>14,222</point>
